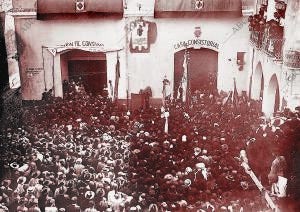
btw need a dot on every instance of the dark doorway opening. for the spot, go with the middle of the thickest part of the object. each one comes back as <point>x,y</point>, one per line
<point>92,73</point>
<point>202,69</point>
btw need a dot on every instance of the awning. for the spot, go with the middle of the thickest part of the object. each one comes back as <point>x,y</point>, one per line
<point>79,6</point>
<point>198,6</point>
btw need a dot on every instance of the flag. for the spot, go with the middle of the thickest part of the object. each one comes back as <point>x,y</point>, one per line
<point>234,94</point>
<point>117,78</point>
<point>184,79</point>
<point>111,89</point>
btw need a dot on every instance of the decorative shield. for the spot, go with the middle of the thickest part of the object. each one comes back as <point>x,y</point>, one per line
<point>197,32</point>
<point>79,5</point>
<point>198,4</point>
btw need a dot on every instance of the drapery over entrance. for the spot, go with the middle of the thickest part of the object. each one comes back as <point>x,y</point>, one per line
<point>198,5</point>
<point>69,6</point>
<point>95,48</point>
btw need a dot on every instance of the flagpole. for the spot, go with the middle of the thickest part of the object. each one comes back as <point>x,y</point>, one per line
<point>117,78</point>
<point>184,77</point>
<point>187,77</point>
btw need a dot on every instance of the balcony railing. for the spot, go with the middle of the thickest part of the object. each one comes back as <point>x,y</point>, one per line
<point>256,38</point>
<point>273,47</point>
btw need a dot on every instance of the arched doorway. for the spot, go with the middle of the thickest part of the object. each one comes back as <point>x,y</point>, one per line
<point>88,67</point>
<point>272,99</point>
<point>202,69</point>
<point>257,83</point>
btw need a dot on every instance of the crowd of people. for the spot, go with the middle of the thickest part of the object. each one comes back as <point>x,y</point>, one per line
<point>87,153</point>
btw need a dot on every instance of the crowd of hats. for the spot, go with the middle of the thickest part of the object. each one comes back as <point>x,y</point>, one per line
<point>279,136</point>
<point>85,152</point>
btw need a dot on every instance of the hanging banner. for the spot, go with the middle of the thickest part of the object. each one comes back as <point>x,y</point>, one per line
<point>78,6</point>
<point>139,36</point>
<point>197,5</point>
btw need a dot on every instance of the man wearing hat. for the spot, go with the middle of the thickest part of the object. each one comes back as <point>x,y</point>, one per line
<point>88,196</point>
<point>22,205</point>
<point>73,207</point>
<point>34,206</point>
<point>91,207</point>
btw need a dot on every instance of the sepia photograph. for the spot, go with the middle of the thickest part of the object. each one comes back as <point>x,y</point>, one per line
<point>149,105</point>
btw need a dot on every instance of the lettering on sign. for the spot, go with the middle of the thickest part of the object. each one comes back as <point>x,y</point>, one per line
<point>196,43</point>
<point>30,72</point>
<point>83,44</point>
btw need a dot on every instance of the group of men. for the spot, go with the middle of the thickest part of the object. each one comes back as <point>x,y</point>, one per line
<point>85,153</point>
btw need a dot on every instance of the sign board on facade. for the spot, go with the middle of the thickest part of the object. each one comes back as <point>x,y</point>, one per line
<point>31,72</point>
<point>83,43</point>
<point>197,43</point>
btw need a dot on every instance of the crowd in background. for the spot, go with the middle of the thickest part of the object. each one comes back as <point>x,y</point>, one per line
<point>86,153</point>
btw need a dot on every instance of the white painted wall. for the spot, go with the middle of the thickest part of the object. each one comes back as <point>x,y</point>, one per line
<point>11,49</point>
<point>149,69</point>
<point>144,69</point>
<point>269,68</point>
<point>52,33</point>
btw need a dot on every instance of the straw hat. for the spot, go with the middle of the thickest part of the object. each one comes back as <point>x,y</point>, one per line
<point>21,180</point>
<point>89,195</point>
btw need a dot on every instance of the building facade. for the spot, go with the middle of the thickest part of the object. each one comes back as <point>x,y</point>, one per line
<point>51,41</point>
<point>274,54</point>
